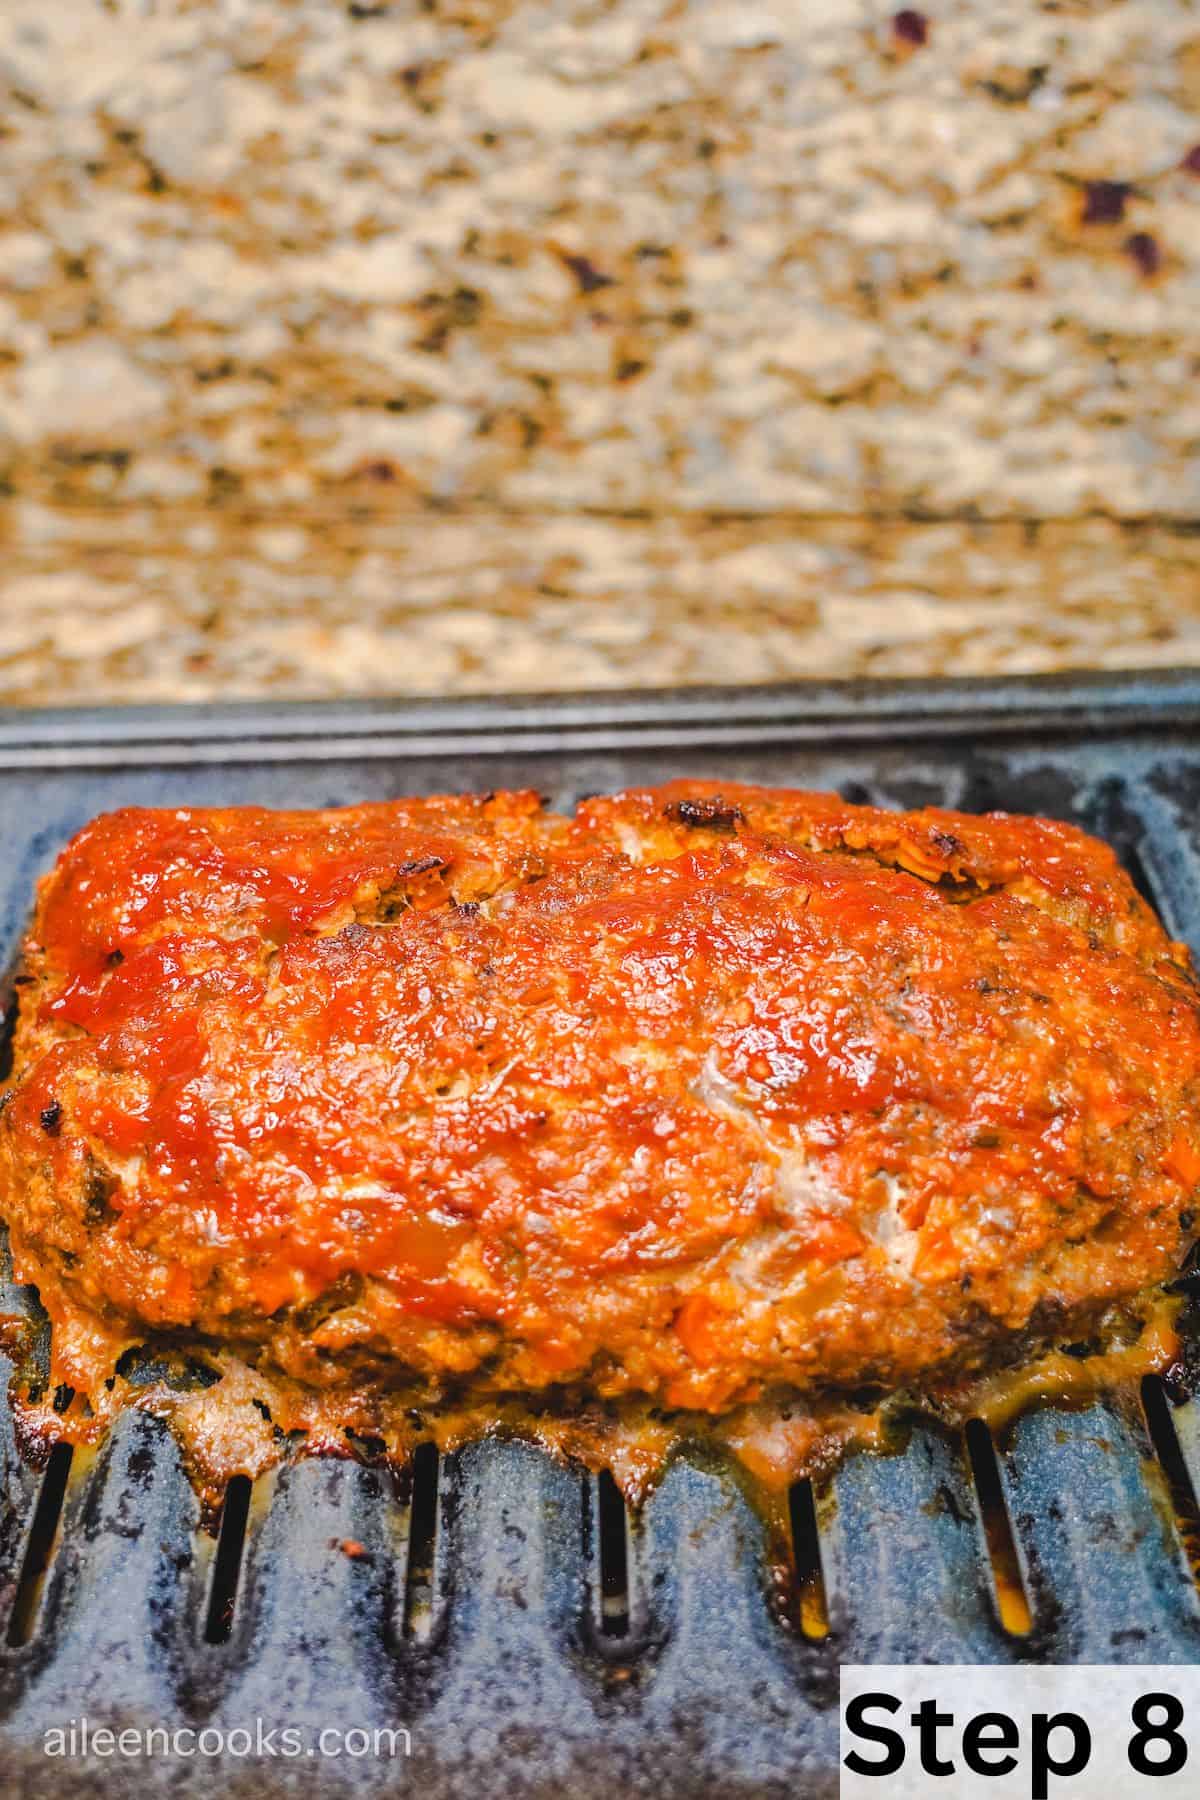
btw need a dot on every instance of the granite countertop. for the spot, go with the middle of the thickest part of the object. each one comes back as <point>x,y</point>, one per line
<point>385,347</point>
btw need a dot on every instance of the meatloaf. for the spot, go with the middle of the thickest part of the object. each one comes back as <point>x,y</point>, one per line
<point>699,1095</point>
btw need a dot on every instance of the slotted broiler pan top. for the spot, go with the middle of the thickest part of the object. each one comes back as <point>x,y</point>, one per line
<point>530,1639</point>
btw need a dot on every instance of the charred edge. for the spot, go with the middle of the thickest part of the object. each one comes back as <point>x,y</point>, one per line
<point>946,844</point>
<point>99,1186</point>
<point>165,1364</point>
<point>422,865</point>
<point>1182,1380</point>
<point>710,814</point>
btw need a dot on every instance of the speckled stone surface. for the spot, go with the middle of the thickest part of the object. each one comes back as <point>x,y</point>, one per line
<point>225,605</point>
<point>542,343</point>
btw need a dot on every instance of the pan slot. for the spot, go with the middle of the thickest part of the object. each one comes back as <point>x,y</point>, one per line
<point>8,1030</point>
<point>1008,1577</point>
<point>1154,867</point>
<point>227,1563</point>
<point>611,1525</point>
<point>1156,1408</point>
<point>44,1531</point>
<point>1155,853</point>
<point>857,793</point>
<point>812,1603</point>
<point>1133,861</point>
<point>420,1575</point>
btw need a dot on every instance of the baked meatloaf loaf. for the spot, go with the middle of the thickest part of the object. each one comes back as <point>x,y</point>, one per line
<point>700,1095</point>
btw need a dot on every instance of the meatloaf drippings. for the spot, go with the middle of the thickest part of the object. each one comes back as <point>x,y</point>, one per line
<point>698,1098</point>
